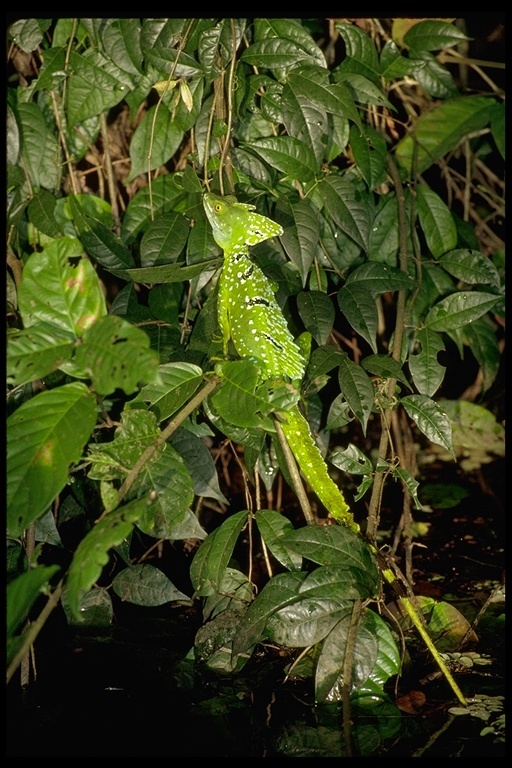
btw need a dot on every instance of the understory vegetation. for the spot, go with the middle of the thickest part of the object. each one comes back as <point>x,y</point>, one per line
<point>145,472</point>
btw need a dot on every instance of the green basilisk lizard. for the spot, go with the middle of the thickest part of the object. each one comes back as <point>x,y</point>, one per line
<point>250,316</point>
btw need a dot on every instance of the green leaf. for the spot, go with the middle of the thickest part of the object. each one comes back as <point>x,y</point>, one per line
<point>165,273</point>
<point>280,591</point>
<point>352,460</point>
<point>241,400</point>
<point>156,137</point>
<point>22,592</point>
<point>273,526</point>
<point>384,367</point>
<point>91,89</point>
<point>289,29</point>
<point>317,313</point>
<point>360,49</point>
<point>176,385</point>
<point>98,240</point>
<point>116,355</point>
<point>113,460</point>
<point>335,545</point>
<point>40,151</point>
<point>60,290</point>
<point>145,585</point>
<point>441,129</point>
<point>426,372</point>
<point>212,558</point>
<point>144,208</point>
<point>433,76</point>
<point>460,309</point>
<point>369,151</point>
<point>160,39</point>
<point>275,54</point>
<point>199,463</point>
<point>430,419</point>
<point>436,221</point>
<point>470,266</point>
<point>350,215</point>
<point>480,337</point>
<point>288,154</point>
<point>41,210</point>
<point>302,117</point>
<point>92,553</point>
<point>301,231</point>
<point>37,351</point>
<point>357,388</point>
<point>433,36</point>
<point>305,622</point>
<point>330,663</point>
<point>164,240</point>
<point>358,305</point>
<point>45,435</point>
<point>28,33</point>
<point>121,40</point>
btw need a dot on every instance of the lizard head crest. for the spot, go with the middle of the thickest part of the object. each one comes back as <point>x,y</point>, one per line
<point>235,223</point>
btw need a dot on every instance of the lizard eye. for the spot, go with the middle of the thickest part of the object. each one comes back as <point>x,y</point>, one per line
<point>218,207</point>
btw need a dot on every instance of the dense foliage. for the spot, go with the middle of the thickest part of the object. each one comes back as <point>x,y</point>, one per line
<point>384,166</point>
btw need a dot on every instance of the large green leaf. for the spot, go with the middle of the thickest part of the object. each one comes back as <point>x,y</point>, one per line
<point>330,663</point>
<point>335,545</point>
<point>121,40</point>
<point>273,526</point>
<point>176,384</point>
<point>374,643</point>
<point>305,622</point>
<point>40,151</point>
<point>430,419</point>
<point>357,388</point>
<point>91,89</point>
<point>369,150</point>
<point>274,54</point>
<point>288,154</point>
<point>23,591</point>
<point>441,129</point>
<point>116,355</point>
<point>98,239</point>
<point>164,240</point>
<point>301,231</point>
<point>317,313</point>
<point>212,558</point>
<point>37,351</point>
<point>426,371</point>
<point>433,35</point>
<point>436,221</point>
<point>60,290</point>
<point>302,118</point>
<point>144,584</point>
<point>358,305</point>
<point>348,213</point>
<point>45,436</point>
<point>460,309</point>
<point>480,337</point>
<point>199,463</point>
<point>470,266</point>
<point>156,137</point>
<point>280,591</point>
<point>93,552</point>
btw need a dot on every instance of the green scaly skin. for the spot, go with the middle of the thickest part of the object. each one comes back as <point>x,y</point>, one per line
<point>250,316</point>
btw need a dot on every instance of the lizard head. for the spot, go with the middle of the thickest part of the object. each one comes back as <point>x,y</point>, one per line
<point>235,223</point>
